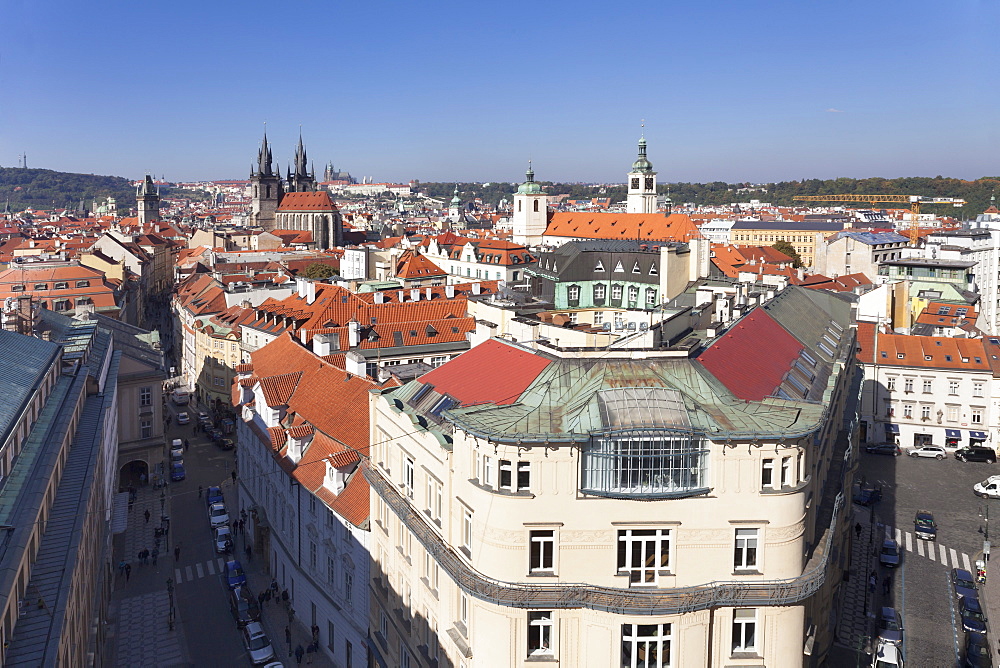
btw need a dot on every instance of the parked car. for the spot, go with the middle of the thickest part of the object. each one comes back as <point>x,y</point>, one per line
<point>257,644</point>
<point>216,434</point>
<point>213,495</point>
<point>218,515</point>
<point>226,444</point>
<point>233,572</point>
<point>176,457</point>
<point>890,626</point>
<point>934,451</point>
<point>973,617</point>
<point>203,417</point>
<point>963,583</point>
<point>976,454</point>
<point>867,496</point>
<point>977,651</point>
<point>223,540</point>
<point>227,425</point>
<point>887,655</point>
<point>243,604</point>
<point>924,525</point>
<point>183,418</point>
<point>988,488</point>
<point>177,472</point>
<point>884,449</point>
<point>889,555</point>
<point>208,425</point>
<point>176,445</point>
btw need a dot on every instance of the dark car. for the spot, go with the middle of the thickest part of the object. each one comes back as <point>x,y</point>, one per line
<point>216,435</point>
<point>889,556</point>
<point>973,617</point>
<point>867,496</point>
<point>976,454</point>
<point>963,583</point>
<point>243,604</point>
<point>225,444</point>
<point>924,525</point>
<point>227,425</point>
<point>177,472</point>
<point>977,651</point>
<point>884,449</point>
<point>890,626</point>
<point>213,495</point>
<point>234,574</point>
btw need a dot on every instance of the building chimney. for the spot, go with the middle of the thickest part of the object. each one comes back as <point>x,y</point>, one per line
<point>379,298</point>
<point>300,287</point>
<point>429,292</point>
<point>310,292</point>
<point>322,344</point>
<point>476,288</point>
<point>353,333</point>
<point>402,296</point>
<point>449,291</point>
<point>415,294</point>
<point>355,363</point>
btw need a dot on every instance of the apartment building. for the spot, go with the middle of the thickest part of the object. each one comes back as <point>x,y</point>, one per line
<point>928,390</point>
<point>802,235</point>
<point>675,505</point>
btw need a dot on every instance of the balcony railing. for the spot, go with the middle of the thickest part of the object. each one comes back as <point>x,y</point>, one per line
<point>607,599</point>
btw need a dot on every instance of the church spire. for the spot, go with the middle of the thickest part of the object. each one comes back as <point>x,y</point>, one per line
<point>300,158</point>
<point>264,158</point>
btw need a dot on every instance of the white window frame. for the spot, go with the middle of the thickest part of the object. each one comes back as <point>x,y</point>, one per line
<point>542,551</point>
<point>487,470</point>
<point>408,475</point>
<point>540,632</point>
<point>467,529</point>
<point>746,549</point>
<point>975,416</point>
<point>745,631</point>
<point>767,471</point>
<point>952,387</point>
<point>635,549</point>
<point>646,651</point>
<point>977,389</point>
<point>928,386</point>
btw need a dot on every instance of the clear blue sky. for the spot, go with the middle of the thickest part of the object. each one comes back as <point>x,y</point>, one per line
<point>443,91</point>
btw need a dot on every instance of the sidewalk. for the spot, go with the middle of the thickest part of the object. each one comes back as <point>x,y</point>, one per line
<point>139,611</point>
<point>275,616</point>
<point>989,594</point>
<point>855,623</point>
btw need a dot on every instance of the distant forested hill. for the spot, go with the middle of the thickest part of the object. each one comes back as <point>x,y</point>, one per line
<point>977,193</point>
<point>45,189</point>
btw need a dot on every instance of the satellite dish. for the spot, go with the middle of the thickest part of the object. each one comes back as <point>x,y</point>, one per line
<point>643,326</point>
<point>607,327</point>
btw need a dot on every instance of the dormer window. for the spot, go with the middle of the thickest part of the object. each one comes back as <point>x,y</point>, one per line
<point>41,286</point>
<point>83,284</point>
<point>61,285</point>
<point>17,288</point>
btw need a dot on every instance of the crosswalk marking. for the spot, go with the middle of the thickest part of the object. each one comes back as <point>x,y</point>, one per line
<point>899,536</point>
<point>909,542</point>
<point>221,562</point>
<point>920,547</point>
<point>954,558</point>
<point>177,575</point>
<point>210,565</point>
<point>201,573</point>
<point>930,552</point>
<point>934,551</point>
<point>187,572</point>
<point>965,562</point>
<point>944,555</point>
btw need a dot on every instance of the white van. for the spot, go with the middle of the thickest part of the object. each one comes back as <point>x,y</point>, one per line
<point>181,397</point>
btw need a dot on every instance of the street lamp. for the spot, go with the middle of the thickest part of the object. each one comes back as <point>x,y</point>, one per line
<point>864,645</point>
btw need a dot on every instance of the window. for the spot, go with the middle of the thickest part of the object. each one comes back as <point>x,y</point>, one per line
<point>435,495</point>
<point>745,553</point>
<point>348,585</point>
<point>505,474</point>
<point>633,293</point>
<point>331,573</point>
<point>600,290</point>
<point>146,428</point>
<point>925,412</point>
<point>616,292</point>
<point>744,630</point>
<point>977,388</point>
<point>384,626</point>
<point>665,464</point>
<point>908,411</point>
<point>927,386</point>
<point>573,292</point>
<point>636,269</point>
<point>463,610</point>
<point>438,361</point>
<point>487,470</point>
<point>61,285</point>
<point>952,413</point>
<point>642,553</point>
<point>891,383</point>
<point>467,529</point>
<point>786,463</point>
<point>767,473</point>
<point>952,386</point>
<point>312,555</point>
<point>41,286</point>
<point>908,385</point>
<point>145,396</point>
<point>539,632</point>
<point>976,416</point>
<point>404,656</point>
<point>650,296</point>
<point>542,550</point>
<point>523,476</point>
<point>598,318</point>
<point>408,476</point>
<point>645,646</point>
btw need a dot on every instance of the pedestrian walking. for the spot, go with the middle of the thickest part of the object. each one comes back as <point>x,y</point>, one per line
<point>291,614</point>
<point>315,635</point>
<point>274,585</point>
<point>156,553</point>
<point>260,599</point>
<point>298,654</point>
<point>310,651</point>
<point>177,553</point>
<point>128,571</point>
<point>131,502</point>
<point>233,473</point>
<point>121,567</point>
<point>267,595</point>
<point>187,444</point>
<point>284,596</point>
<point>857,529</point>
<point>887,584</point>
<point>142,479</point>
<point>872,581</point>
<point>288,640</point>
<point>249,552</point>
<point>139,556</point>
<point>146,515</point>
<point>199,491</point>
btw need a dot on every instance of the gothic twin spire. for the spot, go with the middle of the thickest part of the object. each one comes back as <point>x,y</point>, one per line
<point>265,160</point>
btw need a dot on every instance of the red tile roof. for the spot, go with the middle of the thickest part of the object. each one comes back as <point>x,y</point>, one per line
<point>642,226</point>
<point>752,357</point>
<point>309,201</point>
<point>929,352</point>
<point>515,369</point>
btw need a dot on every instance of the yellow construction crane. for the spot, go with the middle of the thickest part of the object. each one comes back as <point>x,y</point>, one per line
<point>913,200</point>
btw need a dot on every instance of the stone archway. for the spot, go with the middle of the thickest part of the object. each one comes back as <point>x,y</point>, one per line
<point>133,474</point>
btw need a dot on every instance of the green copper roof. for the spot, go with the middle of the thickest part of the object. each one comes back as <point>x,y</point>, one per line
<point>641,164</point>
<point>529,187</point>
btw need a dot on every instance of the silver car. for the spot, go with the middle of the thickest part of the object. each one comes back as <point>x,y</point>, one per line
<point>257,643</point>
<point>933,451</point>
<point>218,515</point>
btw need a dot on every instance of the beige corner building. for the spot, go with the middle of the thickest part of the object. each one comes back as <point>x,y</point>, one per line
<point>677,505</point>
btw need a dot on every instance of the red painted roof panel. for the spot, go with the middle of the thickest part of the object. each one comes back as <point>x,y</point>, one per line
<point>511,371</point>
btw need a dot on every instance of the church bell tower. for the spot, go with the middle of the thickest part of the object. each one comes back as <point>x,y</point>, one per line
<point>147,202</point>
<point>266,189</point>
<point>531,211</point>
<point>641,184</point>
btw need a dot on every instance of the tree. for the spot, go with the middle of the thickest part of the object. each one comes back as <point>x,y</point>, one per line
<point>789,250</point>
<point>318,270</point>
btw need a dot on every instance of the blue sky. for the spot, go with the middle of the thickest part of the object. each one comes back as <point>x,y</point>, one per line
<point>443,91</point>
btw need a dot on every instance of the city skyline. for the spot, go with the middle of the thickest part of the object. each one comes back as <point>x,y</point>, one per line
<point>471,93</point>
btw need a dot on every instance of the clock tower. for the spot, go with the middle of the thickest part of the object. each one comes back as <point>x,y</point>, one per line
<point>531,211</point>
<point>641,184</point>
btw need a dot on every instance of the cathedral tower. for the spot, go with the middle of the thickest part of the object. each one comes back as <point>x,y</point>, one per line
<point>530,216</point>
<point>266,189</point>
<point>641,184</point>
<point>302,180</point>
<point>148,202</point>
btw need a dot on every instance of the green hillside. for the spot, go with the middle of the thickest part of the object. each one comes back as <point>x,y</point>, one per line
<point>45,189</point>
